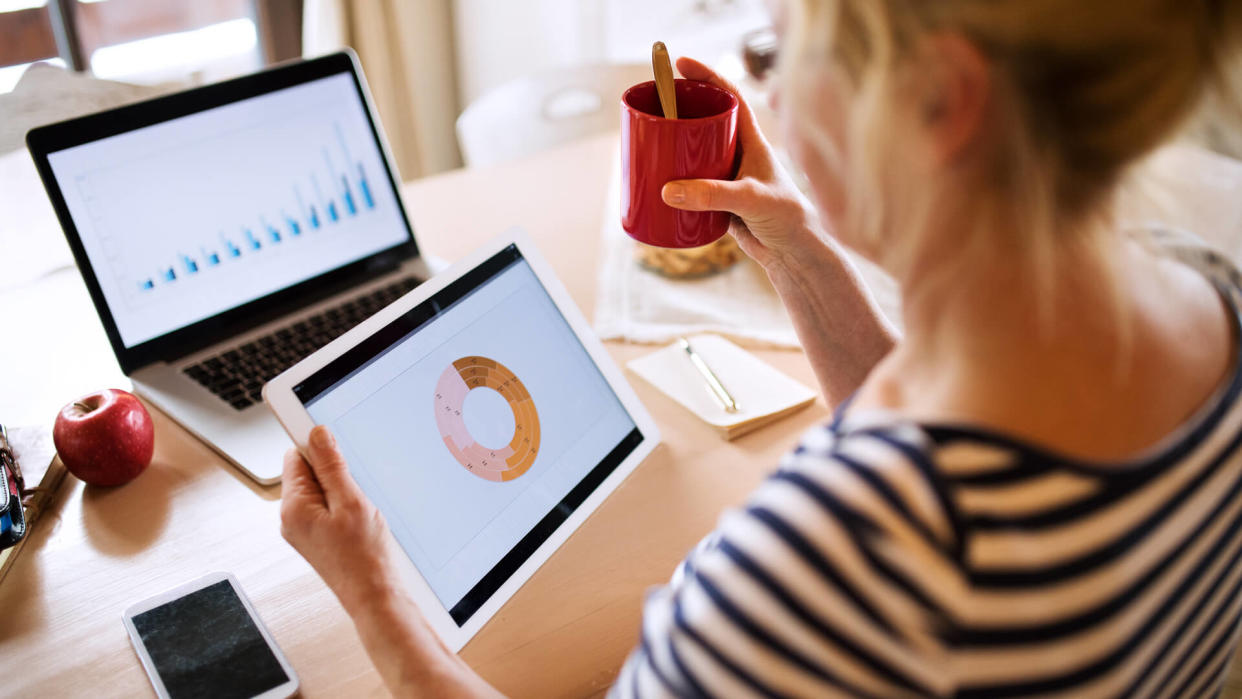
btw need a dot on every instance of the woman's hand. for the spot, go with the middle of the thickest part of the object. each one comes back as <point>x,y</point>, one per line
<point>777,224</point>
<point>841,330</point>
<point>330,521</point>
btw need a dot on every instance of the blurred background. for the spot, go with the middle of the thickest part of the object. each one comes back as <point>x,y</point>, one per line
<point>456,82</point>
<point>445,73</point>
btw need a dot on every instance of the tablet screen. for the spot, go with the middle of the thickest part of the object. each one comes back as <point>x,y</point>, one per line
<point>477,422</point>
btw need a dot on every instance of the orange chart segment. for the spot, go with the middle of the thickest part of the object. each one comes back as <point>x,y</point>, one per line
<point>499,465</point>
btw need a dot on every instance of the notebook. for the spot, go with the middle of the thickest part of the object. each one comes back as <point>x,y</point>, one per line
<point>763,394</point>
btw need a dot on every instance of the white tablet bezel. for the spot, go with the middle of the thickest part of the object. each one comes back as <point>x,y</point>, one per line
<point>279,396</point>
<point>282,691</point>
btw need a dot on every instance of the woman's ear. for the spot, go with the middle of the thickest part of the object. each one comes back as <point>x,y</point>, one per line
<point>953,91</point>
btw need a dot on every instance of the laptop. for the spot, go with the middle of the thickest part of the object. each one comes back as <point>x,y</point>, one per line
<point>226,232</point>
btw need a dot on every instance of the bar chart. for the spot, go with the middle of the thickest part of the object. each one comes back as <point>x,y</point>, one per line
<point>294,214</point>
<point>190,217</point>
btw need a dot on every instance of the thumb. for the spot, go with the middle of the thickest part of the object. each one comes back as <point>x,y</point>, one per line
<point>328,464</point>
<point>734,196</point>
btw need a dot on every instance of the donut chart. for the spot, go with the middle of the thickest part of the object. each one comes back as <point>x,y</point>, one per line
<point>498,465</point>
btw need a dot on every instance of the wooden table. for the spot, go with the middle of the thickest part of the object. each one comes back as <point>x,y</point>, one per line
<point>565,633</point>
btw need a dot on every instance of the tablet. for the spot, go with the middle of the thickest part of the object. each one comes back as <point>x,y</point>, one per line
<point>482,417</point>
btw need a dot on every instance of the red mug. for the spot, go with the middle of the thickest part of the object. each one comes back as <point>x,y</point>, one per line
<point>700,143</point>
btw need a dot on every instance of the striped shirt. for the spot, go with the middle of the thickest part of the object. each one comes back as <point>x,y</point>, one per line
<point>891,558</point>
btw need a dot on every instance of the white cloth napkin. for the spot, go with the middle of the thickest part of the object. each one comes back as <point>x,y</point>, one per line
<point>637,305</point>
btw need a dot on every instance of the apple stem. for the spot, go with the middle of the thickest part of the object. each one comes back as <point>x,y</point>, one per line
<point>83,406</point>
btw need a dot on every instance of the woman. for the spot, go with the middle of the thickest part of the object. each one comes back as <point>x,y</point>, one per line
<point>1034,490</point>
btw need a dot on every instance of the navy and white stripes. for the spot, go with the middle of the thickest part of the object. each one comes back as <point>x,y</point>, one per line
<point>888,558</point>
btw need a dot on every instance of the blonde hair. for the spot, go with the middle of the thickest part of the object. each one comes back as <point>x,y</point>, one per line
<point>1083,91</point>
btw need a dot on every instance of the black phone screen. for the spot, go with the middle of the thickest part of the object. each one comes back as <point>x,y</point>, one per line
<point>206,645</point>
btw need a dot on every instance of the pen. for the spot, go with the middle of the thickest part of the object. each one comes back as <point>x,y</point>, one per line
<point>713,382</point>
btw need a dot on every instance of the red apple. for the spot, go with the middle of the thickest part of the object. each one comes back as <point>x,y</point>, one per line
<point>105,438</point>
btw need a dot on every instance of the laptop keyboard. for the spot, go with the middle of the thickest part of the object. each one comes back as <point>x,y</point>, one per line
<point>237,375</point>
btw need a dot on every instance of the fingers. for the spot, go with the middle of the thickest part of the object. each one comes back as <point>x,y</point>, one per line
<point>738,197</point>
<point>694,70</point>
<point>296,478</point>
<point>300,496</point>
<point>329,468</point>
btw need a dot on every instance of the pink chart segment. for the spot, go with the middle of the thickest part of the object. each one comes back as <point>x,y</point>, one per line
<point>499,465</point>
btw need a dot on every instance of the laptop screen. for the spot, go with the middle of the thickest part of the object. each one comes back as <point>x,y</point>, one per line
<point>188,218</point>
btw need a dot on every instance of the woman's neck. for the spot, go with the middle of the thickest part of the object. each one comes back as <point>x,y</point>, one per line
<point>1092,360</point>
<point>962,304</point>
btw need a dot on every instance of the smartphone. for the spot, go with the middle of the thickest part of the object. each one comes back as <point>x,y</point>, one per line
<point>203,639</point>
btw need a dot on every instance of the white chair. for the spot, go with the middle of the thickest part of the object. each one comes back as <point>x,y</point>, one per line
<point>543,110</point>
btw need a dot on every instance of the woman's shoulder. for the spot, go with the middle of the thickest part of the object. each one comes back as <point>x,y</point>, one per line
<point>1192,250</point>
<point>876,471</point>
<point>835,576</point>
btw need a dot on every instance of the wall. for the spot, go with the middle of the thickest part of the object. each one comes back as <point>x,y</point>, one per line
<point>499,40</point>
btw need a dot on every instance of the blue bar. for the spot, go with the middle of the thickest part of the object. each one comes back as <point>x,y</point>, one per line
<point>271,230</point>
<point>332,211</point>
<point>308,212</point>
<point>170,275</point>
<point>213,258</point>
<point>254,242</point>
<point>294,227</point>
<point>148,284</point>
<point>366,188</point>
<point>349,197</point>
<point>190,265</point>
<point>234,251</point>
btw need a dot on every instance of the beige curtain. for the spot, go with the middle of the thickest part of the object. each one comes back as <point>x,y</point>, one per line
<point>406,50</point>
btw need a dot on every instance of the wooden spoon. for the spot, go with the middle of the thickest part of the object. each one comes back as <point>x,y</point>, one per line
<point>664,79</point>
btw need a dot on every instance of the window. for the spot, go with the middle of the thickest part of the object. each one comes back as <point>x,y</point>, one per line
<point>148,40</point>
